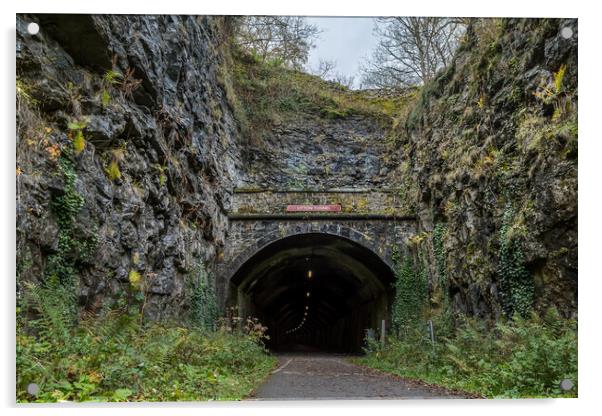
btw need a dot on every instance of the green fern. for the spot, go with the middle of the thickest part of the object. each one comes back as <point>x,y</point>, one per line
<point>112,77</point>
<point>113,171</point>
<point>53,309</point>
<point>558,78</point>
<point>105,98</point>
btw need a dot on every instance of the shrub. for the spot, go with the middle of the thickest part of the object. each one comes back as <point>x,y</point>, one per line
<point>516,358</point>
<point>116,357</point>
<point>516,283</point>
<point>202,301</point>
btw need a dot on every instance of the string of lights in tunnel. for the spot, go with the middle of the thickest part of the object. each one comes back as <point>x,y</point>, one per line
<point>306,311</point>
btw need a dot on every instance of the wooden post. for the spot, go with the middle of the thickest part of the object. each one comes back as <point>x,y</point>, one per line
<point>382,333</point>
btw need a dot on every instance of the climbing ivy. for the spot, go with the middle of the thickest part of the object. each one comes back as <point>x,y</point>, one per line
<point>516,283</point>
<point>61,268</point>
<point>411,293</point>
<point>202,301</point>
<point>438,233</point>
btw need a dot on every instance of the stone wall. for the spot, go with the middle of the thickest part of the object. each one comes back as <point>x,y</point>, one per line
<point>376,201</point>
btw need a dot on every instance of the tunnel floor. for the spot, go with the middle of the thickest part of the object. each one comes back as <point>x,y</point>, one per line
<point>307,376</point>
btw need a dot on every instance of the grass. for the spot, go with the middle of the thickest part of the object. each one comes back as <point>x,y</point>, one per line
<point>521,358</point>
<point>267,93</point>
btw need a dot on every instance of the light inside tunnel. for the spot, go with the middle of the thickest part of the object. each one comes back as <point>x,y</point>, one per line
<point>353,292</point>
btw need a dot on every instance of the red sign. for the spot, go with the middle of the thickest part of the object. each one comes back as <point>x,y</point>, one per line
<point>313,208</point>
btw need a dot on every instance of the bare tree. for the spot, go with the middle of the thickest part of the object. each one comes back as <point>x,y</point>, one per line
<point>285,38</point>
<point>324,69</point>
<point>327,70</point>
<point>347,81</point>
<point>411,50</point>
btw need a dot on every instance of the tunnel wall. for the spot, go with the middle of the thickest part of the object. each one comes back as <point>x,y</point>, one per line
<point>354,200</point>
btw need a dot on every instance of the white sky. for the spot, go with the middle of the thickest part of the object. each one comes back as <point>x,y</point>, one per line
<point>347,40</point>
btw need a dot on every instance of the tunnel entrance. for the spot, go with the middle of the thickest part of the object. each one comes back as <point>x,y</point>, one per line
<point>314,291</point>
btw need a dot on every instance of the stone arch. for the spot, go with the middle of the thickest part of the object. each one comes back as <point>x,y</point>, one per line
<point>303,228</point>
<point>353,291</point>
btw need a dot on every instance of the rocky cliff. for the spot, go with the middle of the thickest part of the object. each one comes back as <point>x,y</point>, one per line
<point>127,153</point>
<point>322,153</point>
<point>492,149</point>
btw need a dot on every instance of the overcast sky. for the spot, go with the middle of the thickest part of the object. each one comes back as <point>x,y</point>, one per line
<point>347,40</point>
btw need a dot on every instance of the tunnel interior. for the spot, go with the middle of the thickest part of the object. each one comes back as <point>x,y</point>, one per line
<point>314,292</point>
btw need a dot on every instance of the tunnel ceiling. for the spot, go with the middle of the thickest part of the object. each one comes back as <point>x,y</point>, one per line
<point>345,275</point>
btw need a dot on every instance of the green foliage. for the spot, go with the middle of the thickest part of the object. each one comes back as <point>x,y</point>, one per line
<point>125,82</point>
<point>112,77</point>
<point>116,357</point>
<point>438,235</point>
<point>77,125</point>
<point>371,345</point>
<point>518,358</point>
<point>516,283</point>
<point>24,91</point>
<point>67,205</point>
<point>113,171</point>
<point>135,278</point>
<point>411,291</point>
<point>267,93</point>
<point>79,143</point>
<point>105,98</point>
<point>53,306</point>
<point>202,300</point>
<point>72,248</point>
<point>162,176</point>
<point>558,78</point>
<point>554,92</point>
<point>76,133</point>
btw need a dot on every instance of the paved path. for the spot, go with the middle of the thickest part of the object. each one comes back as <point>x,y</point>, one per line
<point>330,376</point>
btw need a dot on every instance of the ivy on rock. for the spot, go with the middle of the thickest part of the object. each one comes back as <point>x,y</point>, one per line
<point>438,234</point>
<point>516,283</point>
<point>411,293</point>
<point>202,299</point>
<point>61,271</point>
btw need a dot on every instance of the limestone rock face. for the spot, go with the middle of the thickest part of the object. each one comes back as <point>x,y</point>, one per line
<point>164,121</point>
<point>321,153</point>
<point>496,134</point>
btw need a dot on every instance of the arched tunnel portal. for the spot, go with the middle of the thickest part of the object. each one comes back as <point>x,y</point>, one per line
<point>314,290</point>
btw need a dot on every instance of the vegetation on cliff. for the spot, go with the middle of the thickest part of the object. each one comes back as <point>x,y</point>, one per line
<point>512,357</point>
<point>492,145</point>
<point>266,94</point>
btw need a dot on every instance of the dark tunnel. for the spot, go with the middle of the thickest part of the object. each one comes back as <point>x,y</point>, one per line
<point>314,292</point>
